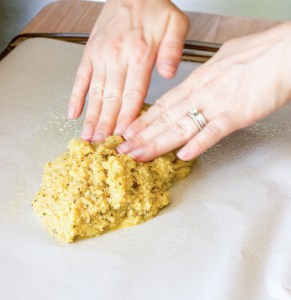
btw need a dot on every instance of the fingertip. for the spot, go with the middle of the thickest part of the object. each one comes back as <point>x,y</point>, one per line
<point>87,133</point>
<point>138,153</point>
<point>184,154</point>
<point>99,136</point>
<point>119,129</point>
<point>87,138</point>
<point>167,69</point>
<point>125,129</point>
<point>77,114</point>
<point>71,113</point>
<point>74,112</point>
<point>124,148</point>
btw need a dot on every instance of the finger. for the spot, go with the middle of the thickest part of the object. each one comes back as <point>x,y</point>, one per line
<point>94,102</point>
<point>211,134</point>
<point>175,137</point>
<point>135,90</point>
<point>161,106</point>
<point>112,97</point>
<point>171,47</point>
<point>80,88</point>
<point>159,126</point>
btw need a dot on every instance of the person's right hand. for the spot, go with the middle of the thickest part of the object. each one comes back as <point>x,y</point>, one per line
<point>127,39</point>
<point>244,82</point>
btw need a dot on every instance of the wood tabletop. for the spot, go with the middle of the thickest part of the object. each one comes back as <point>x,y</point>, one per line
<point>75,16</point>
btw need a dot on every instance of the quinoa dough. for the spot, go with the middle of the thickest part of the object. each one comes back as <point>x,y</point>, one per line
<point>91,189</point>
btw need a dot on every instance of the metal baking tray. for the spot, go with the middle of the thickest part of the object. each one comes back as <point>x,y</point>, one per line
<point>193,50</point>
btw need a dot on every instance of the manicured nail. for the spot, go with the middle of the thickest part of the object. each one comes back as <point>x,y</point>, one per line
<point>99,136</point>
<point>129,132</point>
<point>183,153</point>
<point>118,129</point>
<point>71,112</point>
<point>124,148</point>
<point>137,153</point>
<point>168,67</point>
<point>87,133</point>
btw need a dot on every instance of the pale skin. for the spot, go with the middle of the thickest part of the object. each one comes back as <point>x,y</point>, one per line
<point>127,39</point>
<point>248,79</point>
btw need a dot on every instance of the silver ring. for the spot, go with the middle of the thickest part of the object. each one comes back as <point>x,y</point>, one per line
<point>197,117</point>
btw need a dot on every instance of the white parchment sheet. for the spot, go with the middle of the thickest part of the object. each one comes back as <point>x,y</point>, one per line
<point>226,234</point>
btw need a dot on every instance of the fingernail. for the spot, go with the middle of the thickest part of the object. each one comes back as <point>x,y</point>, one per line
<point>124,148</point>
<point>183,153</point>
<point>71,112</point>
<point>118,129</point>
<point>138,152</point>
<point>99,136</point>
<point>168,67</point>
<point>87,133</point>
<point>129,132</point>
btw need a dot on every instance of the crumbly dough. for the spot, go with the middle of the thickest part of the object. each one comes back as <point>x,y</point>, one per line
<point>91,189</point>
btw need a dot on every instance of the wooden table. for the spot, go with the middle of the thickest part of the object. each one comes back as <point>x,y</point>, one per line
<point>75,16</point>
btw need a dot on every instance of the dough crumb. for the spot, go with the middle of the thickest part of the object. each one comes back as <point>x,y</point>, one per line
<point>91,189</point>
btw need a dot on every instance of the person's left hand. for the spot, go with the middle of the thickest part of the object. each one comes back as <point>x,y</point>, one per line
<point>248,79</point>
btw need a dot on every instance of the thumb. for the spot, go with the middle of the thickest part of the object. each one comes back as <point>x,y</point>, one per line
<point>171,47</point>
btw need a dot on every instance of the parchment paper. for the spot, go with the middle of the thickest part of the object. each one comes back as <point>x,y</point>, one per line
<point>226,234</point>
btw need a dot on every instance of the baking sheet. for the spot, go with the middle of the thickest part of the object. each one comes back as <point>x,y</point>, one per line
<point>226,234</point>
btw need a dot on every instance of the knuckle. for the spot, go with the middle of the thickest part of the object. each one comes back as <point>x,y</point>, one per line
<point>103,126</point>
<point>140,48</point>
<point>113,48</point>
<point>112,96</point>
<point>134,94</point>
<point>75,97</point>
<point>160,105</point>
<point>164,121</point>
<point>214,129</point>
<point>172,50</point>
<point>139,125</point>
<point>141,45</point>
<point>199,144</point>
<point>123,119</point>
<point>173,46</point>
<point>153,148</point>
<point>96,50</point>
<point>140,139</point>
<point>90,121</point>
<point>137,140</point>
<point>96,92</point>
<point>182,130</point>
<point>115,52</point>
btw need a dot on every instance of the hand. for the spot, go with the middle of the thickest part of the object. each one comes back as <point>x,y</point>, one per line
<point>248,79</point>
<point>127,38</point>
